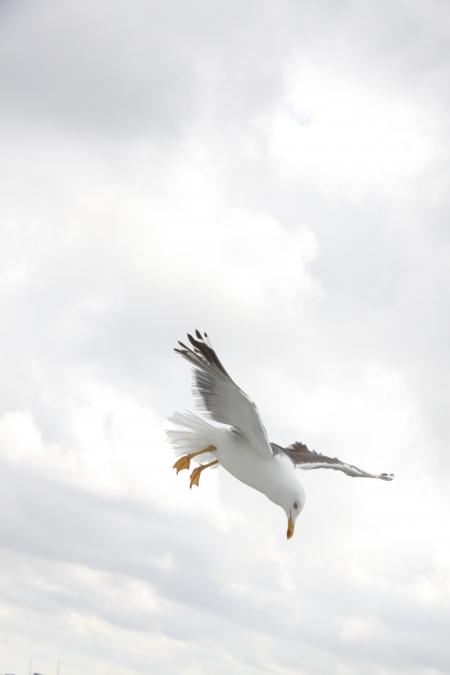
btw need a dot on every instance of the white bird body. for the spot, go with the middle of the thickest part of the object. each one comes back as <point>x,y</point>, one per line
<point>236,439</point>
<point>273,475</point>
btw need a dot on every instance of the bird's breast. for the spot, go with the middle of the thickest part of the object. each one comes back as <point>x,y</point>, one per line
<point>260,473</point>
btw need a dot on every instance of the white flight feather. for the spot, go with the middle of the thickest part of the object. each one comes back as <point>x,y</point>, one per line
<point>220,398</point>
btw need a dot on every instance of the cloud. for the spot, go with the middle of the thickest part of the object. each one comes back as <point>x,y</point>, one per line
<point>274,175</point>
<point>108,69</point>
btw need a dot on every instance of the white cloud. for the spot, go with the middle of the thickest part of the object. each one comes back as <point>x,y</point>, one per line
<point>274,176</point>
<point>347,136</point>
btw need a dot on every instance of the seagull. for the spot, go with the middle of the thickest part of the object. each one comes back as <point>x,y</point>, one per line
<point>229,433</point>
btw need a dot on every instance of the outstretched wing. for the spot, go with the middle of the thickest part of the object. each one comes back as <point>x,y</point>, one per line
<point>304,458</point>
<point>220,397</point>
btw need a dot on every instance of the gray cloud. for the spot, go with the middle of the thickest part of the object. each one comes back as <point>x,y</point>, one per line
<point>153,68</point>
<point>61,530</point>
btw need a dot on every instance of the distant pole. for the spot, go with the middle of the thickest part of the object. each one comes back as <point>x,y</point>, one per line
<point>31,667</point>
<point>57,667</point>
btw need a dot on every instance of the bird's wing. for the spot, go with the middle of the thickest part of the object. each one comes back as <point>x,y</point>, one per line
<point>220,397</point>
<point>304,458</point>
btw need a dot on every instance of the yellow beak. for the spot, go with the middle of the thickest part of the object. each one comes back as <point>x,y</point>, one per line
<point>290,530</point>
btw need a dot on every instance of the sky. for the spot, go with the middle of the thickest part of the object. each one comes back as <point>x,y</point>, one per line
<point>277,174</point>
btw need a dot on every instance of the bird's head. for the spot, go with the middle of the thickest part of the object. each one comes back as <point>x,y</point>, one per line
<point>293,506</point>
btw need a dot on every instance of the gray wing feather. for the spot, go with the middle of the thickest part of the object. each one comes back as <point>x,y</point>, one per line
<point>307,459</point>
<point>220,397</point>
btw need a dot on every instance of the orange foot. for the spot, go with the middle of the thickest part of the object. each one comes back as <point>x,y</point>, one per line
<point>182,463</point>
<point>195,475</point>
<point>185,461</point>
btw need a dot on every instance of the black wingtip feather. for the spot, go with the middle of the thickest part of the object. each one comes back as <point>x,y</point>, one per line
<point>201,352</point>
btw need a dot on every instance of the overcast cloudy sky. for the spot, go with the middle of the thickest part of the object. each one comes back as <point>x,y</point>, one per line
<point>276,173</point>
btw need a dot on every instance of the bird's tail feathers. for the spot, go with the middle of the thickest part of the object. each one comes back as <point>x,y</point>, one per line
<point>192,433</point>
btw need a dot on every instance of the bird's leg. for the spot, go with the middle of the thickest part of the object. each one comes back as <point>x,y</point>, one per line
<point>185,461</point>
<point>195,475</point>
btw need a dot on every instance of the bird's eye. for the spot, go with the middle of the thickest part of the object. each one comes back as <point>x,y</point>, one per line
<point>295,506</point>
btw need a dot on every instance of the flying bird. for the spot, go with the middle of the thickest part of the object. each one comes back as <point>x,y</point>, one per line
<point>230,434</point>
